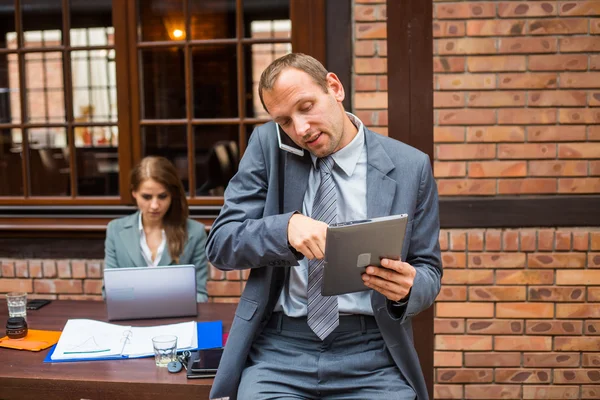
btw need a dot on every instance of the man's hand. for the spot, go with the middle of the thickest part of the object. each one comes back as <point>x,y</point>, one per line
<point>394,280</point>
<point>307,236</point>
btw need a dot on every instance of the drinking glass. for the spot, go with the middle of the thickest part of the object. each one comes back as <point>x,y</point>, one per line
<point>165,349</point>
<point>17,302</point>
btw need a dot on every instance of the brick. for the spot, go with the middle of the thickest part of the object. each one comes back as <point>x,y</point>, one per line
<point>594,99</point>
<point>382,84</point>
<point>580,185</point>
<point>451,375</point>
<point>553,293</point>
<point>8,269</point>
<point>579,80</point>
<point>492,392</point>
<point>21,269</point>
<point>557,168</point>
<point>495,327</point>
<point>371,30</point>
<point>593,260</point>
<point>495,134</point>
<point>469,277</point>
<point>595,59</point>
<point>495,27</point>
<point>572,8</point>
<point>465,151</point>
<point>452,293</point>
<point>527,186</point>
<point>582,375</point>
<point>466,46</point>
<point>553,327</point>
<point>545,239</point>
<point>550,392</point>
<point>496,63</point>
<point>584,277</point>
<point>62,286</point>
<point>16,285</point>
<point>35,269</point>
<point>527,239</point>
<point>365,13</point>
<point>579,44</point>
<point>463,187</point>
<point>517,375</point>
<point>447,359</point>
<point>364,48</point>
<point>563,241</point>
<point>485,359</point>
<point>464,310</point>
<point>466,82</point>
<point>580,241</point>
<point>443,239</point>
<point>365,100</point>
<point>447,391</point>
<point>552,360</point>
<point>526,151</point>
<point>370,65</point>
<point>465,10</point>
<point>595,241</point>
<point>458,240</point>
<point>530,80</point>
<point>448,64</point>
<point>526,116</point>
<point>510,240</point>
<point>525,9</point>
<point>496,260</point>
<point>448,29</point>
<point>475,240</point>
<point>493,240</point>
<point>463,342</point>
<point>445,325</point>
<point>591,360</point>
<point>497,293</point>
<point>523,343</point>
<point>523,45</point>
<point>524,310</point>
<point>448,134</point>
<point>233,275</point>
<point>449,169</point>
<point>577,310</point>
<point>225,300</point>
<point>80,297</point>
<point>448,99</point>
<point>558,62</point>
<point>381,48</point>
<point>594,133</point>
<point>63,268</point>
<point>77,269</point>
<point>496,99</point>
<point>556,260</point>
<point>92,286</point>
<point>579,150</point>
<point>592,328</point>
<point>590,392</point>
<point>564,98</point>
<point>94,269</point>
<point>216,274</point>
<point>555,133</point>
<point>223,288</point>
<point>560,26</point>
<point>525,277</point>
<point>365,83</point>
<point>454,260</point>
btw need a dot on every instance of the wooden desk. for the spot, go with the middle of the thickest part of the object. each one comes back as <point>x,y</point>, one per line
<point>24,376</point>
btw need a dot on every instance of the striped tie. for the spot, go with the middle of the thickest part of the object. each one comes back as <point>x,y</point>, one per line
<point>322,310</point>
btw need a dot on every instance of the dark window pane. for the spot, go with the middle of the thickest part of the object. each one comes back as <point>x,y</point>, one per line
<point>7,18</point>
<point>94,86</point>
<point>161,20</point>
<point>162,80</point>
<point>10,102</point>
<point>215,81</point>
<point>91,23</point>
<point>11,169</point>
<point>212,19</point>
<point>49,162</point>
<point>257,57</point>
<point>217,157</point>
<point>169,142</point>
<point>97,161</point>
<point>45,101</point>
<point>42,23</point>
<point>267,18</point>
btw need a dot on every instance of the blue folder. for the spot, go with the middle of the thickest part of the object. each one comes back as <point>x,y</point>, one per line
<point>210,336</point>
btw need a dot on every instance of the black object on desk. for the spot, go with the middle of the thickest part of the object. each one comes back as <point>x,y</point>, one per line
<point>204,363</point>
<point>37,304</point>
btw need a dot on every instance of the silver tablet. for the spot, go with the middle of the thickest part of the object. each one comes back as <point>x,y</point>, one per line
<point>352,246</point>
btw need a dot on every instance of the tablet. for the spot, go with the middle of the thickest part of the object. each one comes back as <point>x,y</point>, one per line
<point>352,246</point>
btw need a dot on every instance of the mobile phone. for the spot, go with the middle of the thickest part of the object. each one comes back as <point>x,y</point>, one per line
<point>287,144</point>
<point>37,304</point>
<point>205,362</point>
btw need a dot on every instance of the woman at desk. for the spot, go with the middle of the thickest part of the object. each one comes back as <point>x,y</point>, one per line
<point>160,233</point>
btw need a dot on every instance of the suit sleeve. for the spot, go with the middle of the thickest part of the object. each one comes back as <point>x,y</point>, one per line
<point>201,264</point>
<point>424,252</point>
<point>242,237</point>
<point>110,253</point>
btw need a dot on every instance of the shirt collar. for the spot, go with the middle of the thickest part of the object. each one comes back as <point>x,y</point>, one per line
<point>347,157</point>
<point>140,225</point>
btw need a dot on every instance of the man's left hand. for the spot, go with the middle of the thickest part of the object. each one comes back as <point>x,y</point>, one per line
<point>393,280</point>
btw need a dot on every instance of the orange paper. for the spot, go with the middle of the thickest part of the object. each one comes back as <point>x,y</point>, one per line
<point>34,341</point>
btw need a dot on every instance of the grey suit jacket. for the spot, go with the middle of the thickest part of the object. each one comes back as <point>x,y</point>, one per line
<point>251,232</point>
<point>122,249</point>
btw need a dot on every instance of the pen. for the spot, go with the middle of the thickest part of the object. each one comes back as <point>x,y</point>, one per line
<point>86,352</point>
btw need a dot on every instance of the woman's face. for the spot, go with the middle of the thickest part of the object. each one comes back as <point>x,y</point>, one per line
<point>153,200</point>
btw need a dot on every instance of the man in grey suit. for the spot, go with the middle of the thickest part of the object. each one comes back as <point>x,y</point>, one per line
<point>288,341</point>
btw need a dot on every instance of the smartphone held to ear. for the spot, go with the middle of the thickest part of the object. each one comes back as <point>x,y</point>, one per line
<point>287,144</point>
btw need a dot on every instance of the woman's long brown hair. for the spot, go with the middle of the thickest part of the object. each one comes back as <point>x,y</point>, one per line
<point>174,222</point>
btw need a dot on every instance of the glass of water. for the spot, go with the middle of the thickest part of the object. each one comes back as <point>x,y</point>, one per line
<point>165,349</point>
<point>17,302</point>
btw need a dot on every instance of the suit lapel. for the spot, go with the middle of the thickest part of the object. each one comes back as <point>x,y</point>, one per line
<point>130,236</point>
<point>165,259</point>
<point>381,189</point>
<point>296,180</point>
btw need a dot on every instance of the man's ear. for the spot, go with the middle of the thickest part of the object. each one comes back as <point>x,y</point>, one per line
<point>335,86</point>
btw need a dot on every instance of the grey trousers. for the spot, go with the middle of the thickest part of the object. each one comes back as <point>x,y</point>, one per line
<point>288,361</point>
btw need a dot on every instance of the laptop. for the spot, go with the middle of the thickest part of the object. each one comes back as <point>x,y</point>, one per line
<point>150,292</point>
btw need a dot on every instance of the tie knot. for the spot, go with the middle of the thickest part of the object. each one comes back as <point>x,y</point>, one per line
<point>326,164</point>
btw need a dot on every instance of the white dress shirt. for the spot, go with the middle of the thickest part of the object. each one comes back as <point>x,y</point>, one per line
<point>146,252</point>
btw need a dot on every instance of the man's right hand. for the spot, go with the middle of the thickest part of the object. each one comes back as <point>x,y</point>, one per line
<point>307,236</point>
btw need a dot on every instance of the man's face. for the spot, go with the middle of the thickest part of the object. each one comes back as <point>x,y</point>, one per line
<point>313,119</point>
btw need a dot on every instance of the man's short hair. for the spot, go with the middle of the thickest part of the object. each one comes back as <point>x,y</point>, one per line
<point>300,61</point>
